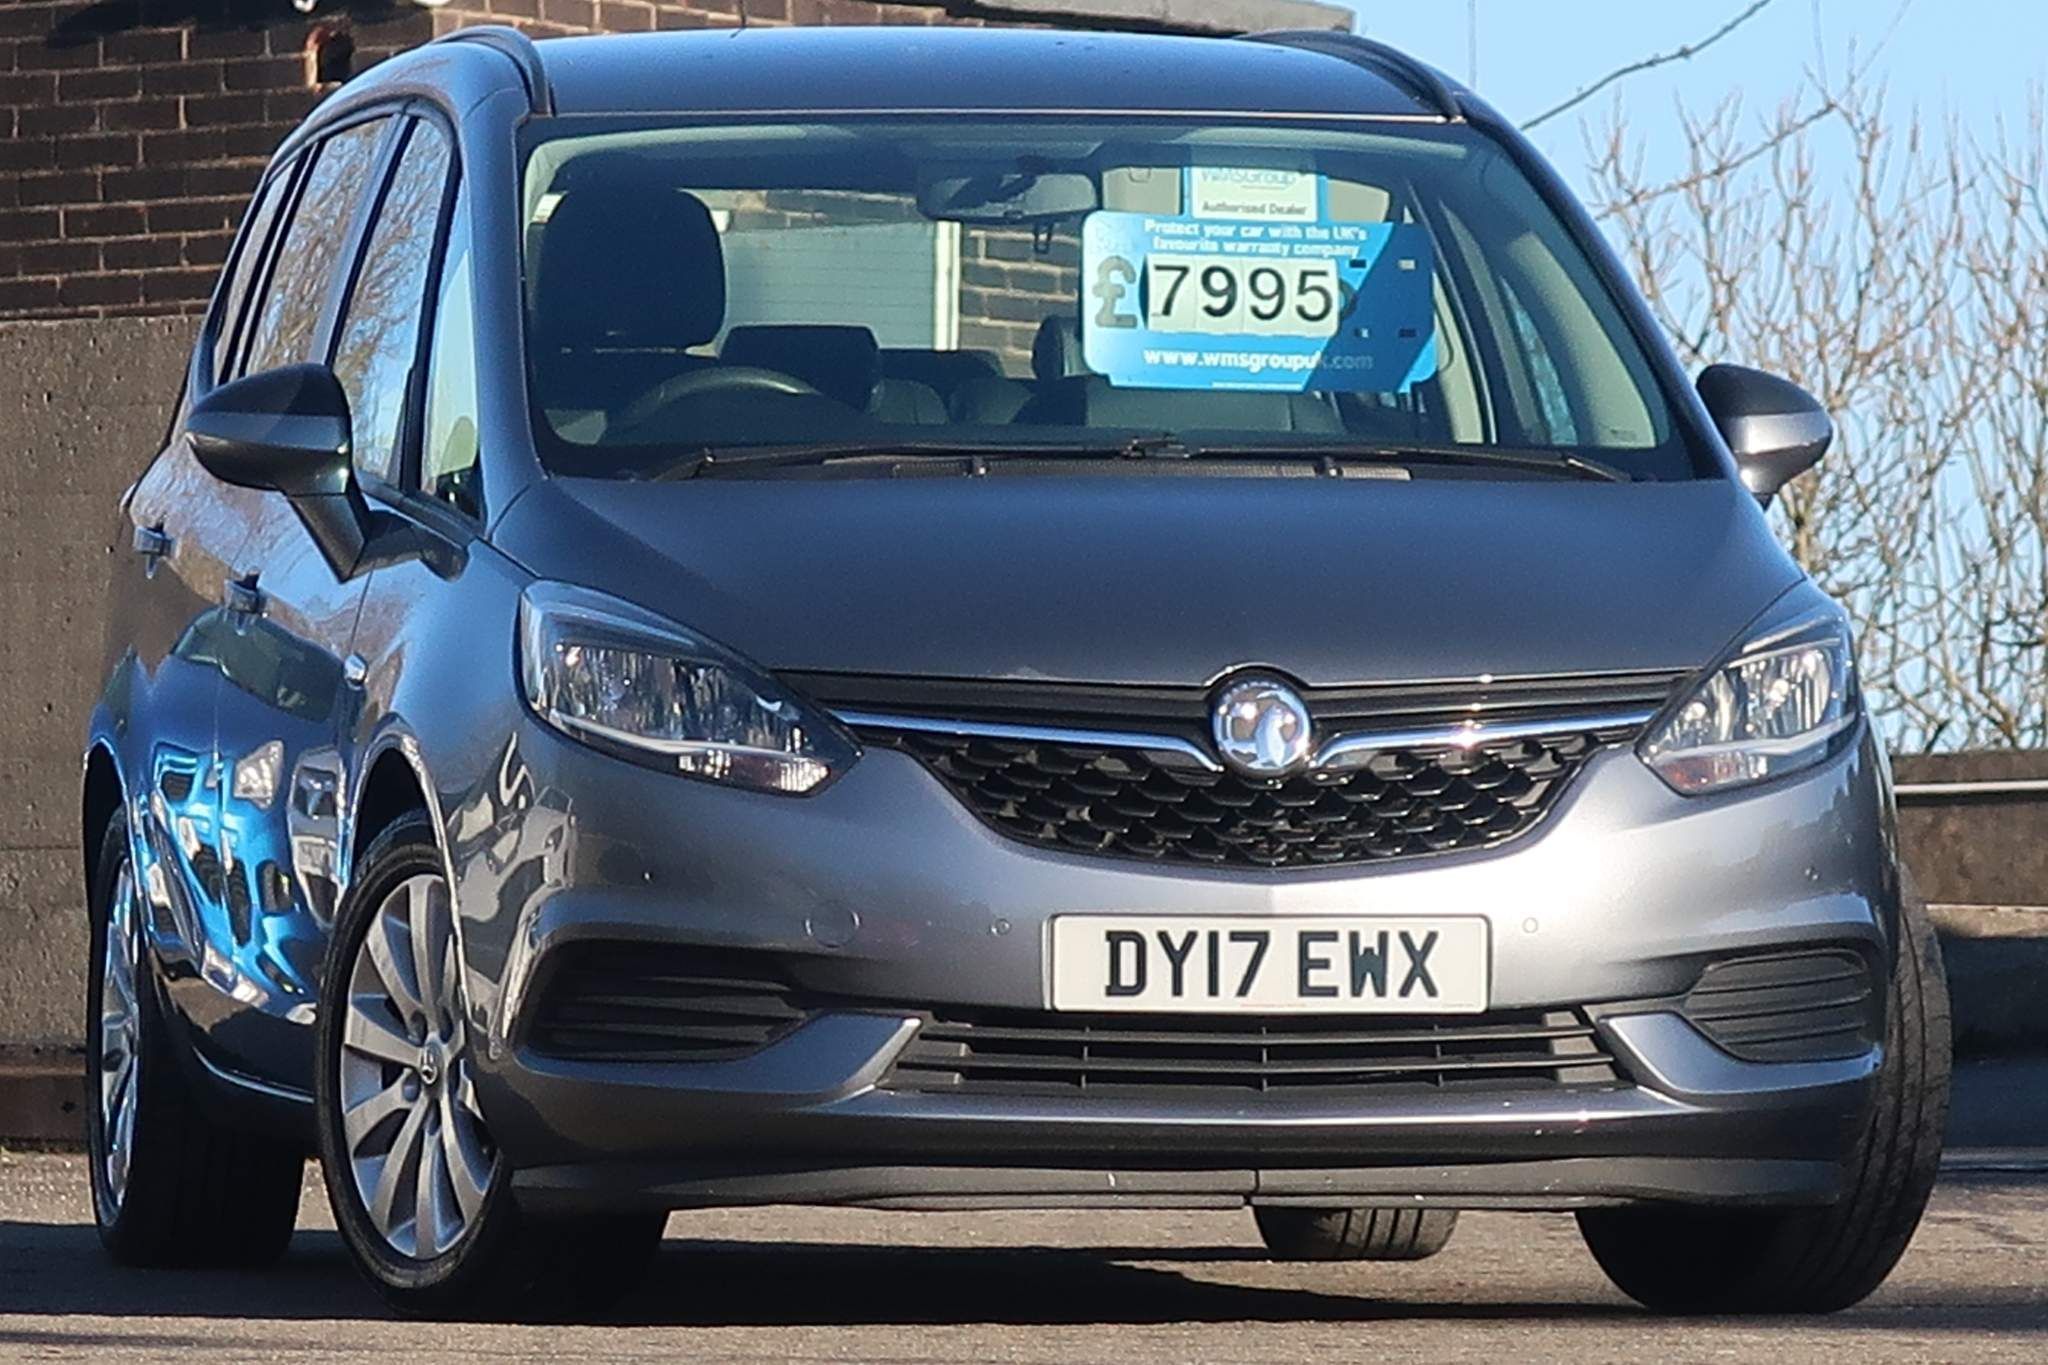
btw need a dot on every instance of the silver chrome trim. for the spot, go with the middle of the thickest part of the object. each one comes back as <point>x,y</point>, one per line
<point>1341,753</point>
<point>1157,746</point>
<point>1344,752</point>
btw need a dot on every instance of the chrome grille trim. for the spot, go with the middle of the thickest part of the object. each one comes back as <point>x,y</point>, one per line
<point>1340,753</point>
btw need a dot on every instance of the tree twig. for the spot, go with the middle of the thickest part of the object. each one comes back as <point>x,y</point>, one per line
<point>1677,54</point>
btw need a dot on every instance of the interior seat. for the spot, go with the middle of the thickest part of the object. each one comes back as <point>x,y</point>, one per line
<point>625,282</point>
<point>842,362</point>
<point>1070,395</point>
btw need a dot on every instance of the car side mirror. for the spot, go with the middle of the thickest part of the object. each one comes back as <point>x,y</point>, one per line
<point>1775,429</point>
<point>287,431</point>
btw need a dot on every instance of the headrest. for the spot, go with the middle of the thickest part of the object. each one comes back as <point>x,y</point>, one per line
<point>625,266</point>
<point>843,363</point>
<point>945,371</point>
<point>1056,353</point>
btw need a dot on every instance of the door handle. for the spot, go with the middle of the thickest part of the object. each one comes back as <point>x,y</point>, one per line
<point>152,543</point>
<point>242,597</point>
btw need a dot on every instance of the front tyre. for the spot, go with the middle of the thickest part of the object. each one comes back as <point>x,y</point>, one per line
<point>170,1186</point>
<point>418,1189</point>
<point>1364,1232</point>
<point>1823,1259</point>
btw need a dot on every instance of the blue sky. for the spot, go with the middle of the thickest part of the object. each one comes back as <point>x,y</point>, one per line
<point>1974,58</point>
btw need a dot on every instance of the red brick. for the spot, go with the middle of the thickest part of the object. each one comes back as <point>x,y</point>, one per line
<point>20,296</point>
<point>207,248</point>
<point>19,154</point>
<point>56,119</point>
<point>59,258</point>
<point>100,83</point>
<point>103,149</point>
<point>152,115</point>
<point>63,187</point>
<point>159,285</point>
<point>207,41</point>
<point>143,182</point>
<point>185,145</point>
<point>141,45</point>
<point>142,253</point>
<point>28,87</point>
<point>288,107</point>
<point>238,180</point>
<point>28,18</point>
<point>101,221</point>
<point>90,290</point>
<point>201,215</point>
<point>265,73</point>
<point>256,141</point>
<point>580,14</point>
<point>205,111</point>
<point>50,55</point>
<point>184,78</point>
<point>28,225</point>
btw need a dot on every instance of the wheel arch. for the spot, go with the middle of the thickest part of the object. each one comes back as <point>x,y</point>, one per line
<point>101,793</point>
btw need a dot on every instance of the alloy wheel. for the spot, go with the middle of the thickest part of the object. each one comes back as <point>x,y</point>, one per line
<point>416,1142</point>
<point>120,1035</point>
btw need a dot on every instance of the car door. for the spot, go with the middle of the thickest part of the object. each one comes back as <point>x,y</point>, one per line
<point>287,615</point>
<point>179,532</point>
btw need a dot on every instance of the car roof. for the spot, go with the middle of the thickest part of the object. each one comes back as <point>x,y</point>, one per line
<point>940,68</point>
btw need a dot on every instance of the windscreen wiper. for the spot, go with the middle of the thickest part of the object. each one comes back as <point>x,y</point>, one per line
<point>1403,452</point>
<point>715,460</point>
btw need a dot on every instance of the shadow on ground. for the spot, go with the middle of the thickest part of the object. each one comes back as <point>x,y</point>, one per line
<point>58,1270</point>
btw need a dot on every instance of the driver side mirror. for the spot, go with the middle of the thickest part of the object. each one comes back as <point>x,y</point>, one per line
<point>1775,429</point>
<point>287,431</point>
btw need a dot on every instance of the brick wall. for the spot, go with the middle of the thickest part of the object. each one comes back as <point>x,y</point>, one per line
<point>131,131</point>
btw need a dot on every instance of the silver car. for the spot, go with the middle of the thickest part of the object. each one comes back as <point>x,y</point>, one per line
<point>953,620</point>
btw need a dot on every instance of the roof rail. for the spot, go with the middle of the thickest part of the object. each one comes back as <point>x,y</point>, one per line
<point>1420,78</point>
<point>517,46</point>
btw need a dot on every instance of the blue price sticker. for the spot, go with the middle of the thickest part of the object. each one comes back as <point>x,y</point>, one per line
<point>1205,303</point>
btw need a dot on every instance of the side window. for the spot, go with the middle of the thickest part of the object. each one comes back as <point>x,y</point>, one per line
<point>1553,407</point>
<point>448,455</point>
<point>248,256</point>
<point>304,273</point>
<point>379,340</point>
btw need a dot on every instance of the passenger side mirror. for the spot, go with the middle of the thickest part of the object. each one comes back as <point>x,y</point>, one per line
<point>1775,429</point>
<point>287,431</point>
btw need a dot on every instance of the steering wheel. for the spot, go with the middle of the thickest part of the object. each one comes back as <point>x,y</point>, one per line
<point>719,379</point>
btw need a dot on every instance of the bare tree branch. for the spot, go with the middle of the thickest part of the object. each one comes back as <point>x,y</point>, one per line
<point>1677,54</point>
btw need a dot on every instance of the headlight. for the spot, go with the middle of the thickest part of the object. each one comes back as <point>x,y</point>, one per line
<point>1777,706</point>
<point>625,681</point>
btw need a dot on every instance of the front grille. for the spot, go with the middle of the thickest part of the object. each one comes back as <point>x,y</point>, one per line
<point>1009,1052</point>
<point>1120,801</point>
<point>1794,1007</point>
<point>1040,777</point>
<point>637,1002</point>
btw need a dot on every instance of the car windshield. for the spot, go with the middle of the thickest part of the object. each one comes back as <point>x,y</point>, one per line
<point>1057,285</point>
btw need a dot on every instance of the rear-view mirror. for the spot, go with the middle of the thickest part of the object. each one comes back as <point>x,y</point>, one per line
<point>996,197</point>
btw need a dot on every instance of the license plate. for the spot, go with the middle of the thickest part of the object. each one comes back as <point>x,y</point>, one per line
<point>1303,964</point>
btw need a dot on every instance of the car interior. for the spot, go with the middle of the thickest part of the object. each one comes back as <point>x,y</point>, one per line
<point>639,339</point>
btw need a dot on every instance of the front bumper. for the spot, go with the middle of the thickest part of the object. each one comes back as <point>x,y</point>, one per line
<point>883,888</point>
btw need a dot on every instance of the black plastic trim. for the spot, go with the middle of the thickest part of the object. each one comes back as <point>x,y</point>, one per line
<point>1379,58</point>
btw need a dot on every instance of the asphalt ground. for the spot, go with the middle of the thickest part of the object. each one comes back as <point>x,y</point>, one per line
<point>832,1285</point>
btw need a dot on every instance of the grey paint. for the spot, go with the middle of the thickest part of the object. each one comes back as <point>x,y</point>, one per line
<point>884,887</point>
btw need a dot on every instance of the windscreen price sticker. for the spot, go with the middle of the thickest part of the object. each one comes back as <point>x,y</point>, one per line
<point>1227,296</point>
<point>1201,303</point>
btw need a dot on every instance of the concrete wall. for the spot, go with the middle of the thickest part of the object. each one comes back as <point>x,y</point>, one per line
<point>82,408</point>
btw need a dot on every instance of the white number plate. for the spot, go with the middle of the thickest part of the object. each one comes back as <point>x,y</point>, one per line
<point>1242,297</point>
<point>1299,964</point>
